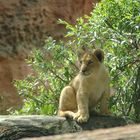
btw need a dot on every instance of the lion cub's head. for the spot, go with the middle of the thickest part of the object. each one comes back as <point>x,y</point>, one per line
<point>90,61</point>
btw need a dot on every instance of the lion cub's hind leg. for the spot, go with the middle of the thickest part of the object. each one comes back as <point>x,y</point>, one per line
<point>67,102</point>
<point>104,102</point>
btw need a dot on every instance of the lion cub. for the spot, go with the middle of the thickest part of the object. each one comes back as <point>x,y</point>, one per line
<point>87,89</point>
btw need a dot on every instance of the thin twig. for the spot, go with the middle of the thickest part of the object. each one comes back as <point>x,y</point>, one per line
<point>122,67</point>
<point>46,87</point>
<point>56,75</point>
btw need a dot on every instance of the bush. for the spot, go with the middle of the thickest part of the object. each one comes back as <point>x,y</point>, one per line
<point>113,26</point>
<point>52,67</point>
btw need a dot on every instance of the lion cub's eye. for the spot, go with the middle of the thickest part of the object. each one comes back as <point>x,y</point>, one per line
<point>90,62</point>
<point>80,61</point>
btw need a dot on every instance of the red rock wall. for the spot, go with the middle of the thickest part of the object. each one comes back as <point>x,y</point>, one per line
<point>11,69</point>
<point>25,24</point>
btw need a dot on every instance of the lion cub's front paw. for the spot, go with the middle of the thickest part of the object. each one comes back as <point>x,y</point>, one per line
<point>81,118</point>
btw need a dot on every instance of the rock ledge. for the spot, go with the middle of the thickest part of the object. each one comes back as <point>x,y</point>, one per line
<point>15,127</point>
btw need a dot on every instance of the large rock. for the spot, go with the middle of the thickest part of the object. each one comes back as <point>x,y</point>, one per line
<point>131,132</point>
<point>24,24</point>
<point>15,127</point>
<point>11,69</point>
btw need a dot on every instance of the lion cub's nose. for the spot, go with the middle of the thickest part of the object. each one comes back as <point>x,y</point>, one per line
<point>84,70</point>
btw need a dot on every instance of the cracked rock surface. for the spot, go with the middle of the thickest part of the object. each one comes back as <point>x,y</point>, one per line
<point>15,127</point>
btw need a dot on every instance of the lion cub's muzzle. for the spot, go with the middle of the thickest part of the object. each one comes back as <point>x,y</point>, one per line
<point>84,71</point>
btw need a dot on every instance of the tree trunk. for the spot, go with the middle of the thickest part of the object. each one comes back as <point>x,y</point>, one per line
<point>137,96</point>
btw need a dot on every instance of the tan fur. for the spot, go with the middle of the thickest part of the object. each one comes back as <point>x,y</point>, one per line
<point>87,89</point>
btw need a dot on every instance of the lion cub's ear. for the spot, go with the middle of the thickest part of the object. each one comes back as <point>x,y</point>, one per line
<point>99,54</point>
<point>81,52</point>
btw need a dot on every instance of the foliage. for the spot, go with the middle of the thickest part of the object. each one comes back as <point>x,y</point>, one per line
<point>41,90</point>
<point>113,26</point>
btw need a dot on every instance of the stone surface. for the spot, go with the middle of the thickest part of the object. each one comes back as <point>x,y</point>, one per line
<point>15,127</point>
<point>131,132</point>
<point>11,69</point>
<point>24,24</point>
